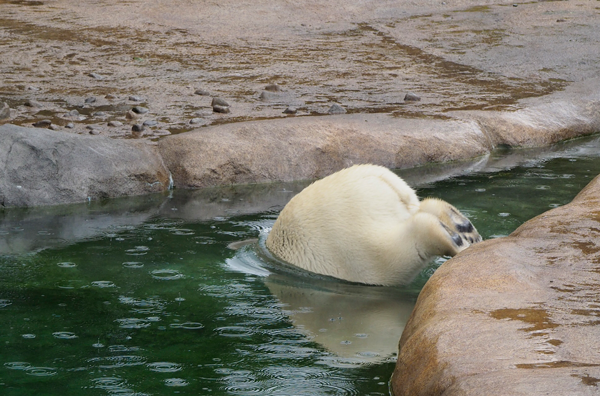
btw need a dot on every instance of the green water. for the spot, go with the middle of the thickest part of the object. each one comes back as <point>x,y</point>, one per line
<point>143,296</point>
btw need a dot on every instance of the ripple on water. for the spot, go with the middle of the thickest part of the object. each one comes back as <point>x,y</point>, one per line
<point>176,382</point>
<point>113,385</point>
<point>69,284</point>
<point>182,231</point>
<point>187,326</point>
<point>166,274</point>
<point>5,303</point>
<point>103,284</point>
<point>67,264</point>
<point>28,336</point>
<point>164,367</point>
<point>234,331</point>
<point>133,264</point>
<point>17,365</point>
<point>137,251</point>
<point>111,362</point>
<point>133,323</point>
<point>41,371</point>
<point>64,335</point>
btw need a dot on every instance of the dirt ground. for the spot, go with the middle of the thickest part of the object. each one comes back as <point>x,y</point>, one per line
<point>81,65</point>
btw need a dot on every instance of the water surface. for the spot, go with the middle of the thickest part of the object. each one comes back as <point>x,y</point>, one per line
<point>144,296</point>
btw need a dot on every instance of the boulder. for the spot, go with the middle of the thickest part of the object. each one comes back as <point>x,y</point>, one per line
<point>512,316</point>
<point>44,167</point>
<point>312,147</point>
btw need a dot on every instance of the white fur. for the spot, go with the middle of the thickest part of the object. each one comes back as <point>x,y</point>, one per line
<point>365,224</point>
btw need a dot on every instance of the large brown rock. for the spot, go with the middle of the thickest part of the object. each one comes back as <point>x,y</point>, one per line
<point>313,147</point>
<point>512,316</point>
<point>44,167</point>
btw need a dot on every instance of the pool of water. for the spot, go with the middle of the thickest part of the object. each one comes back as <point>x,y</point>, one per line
<point>147,296</point>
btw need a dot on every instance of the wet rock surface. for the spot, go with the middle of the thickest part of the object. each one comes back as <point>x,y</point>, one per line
<point>43,167</point>
<point>512,316</point>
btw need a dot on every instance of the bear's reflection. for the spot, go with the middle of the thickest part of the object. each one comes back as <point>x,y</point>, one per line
<point>356,323</point>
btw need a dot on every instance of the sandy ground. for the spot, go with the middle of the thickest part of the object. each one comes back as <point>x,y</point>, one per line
<point>364,55</point>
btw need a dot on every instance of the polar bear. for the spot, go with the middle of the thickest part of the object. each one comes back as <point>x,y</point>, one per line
<point>365,224</point>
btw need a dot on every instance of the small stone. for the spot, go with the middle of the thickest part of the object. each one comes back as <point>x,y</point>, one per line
<point>195,120</point>
<point>140,110</point>
<point>201,92</point>
<point>110,97</point>
<point>221,109</point>
<point>54,127</point>
<point>99,114</point>
<point>219,102</point>
<point>273,88</point>
<point>42,124</point>
<point>94,132</point>
<point>4,111</point>
<point>336,109</point>
<point>135,98</point>
<point>32,88</point>
<point>96,76</point>
<point>290,110</point>
<point>72,113</point>
<point>70,125</point>
<point>131,115</point>
<point>162,132</point>
<point>137,130</point>
<point>411,97</point>
<point>33,103</point>
<point>115,123</point>
<point>561,20</point>
<point>91,99</point>
<point>150,123</point>
<point>269,96</point>
<point>515,5</point>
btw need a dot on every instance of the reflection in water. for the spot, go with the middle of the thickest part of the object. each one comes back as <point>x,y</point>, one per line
<point>357,323</point>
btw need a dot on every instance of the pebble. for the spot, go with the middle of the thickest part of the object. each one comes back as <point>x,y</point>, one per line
<point>270,96</point>
<point>91,99</point>
<point>70,125</point>
<point>96,76</point>
<point>33,103</point>
<point>135,98</point>
<point>195,120</point>
<point>219,102</point>
<point>4,111</point>
<point>42,124</point>
<point>94,132</point>
<point>110,96</point>
<point>336,109</point>
<point>290,110</point>
<point>137,130</point>
<point>221,109</point>
<point>140,110</point>
<point>72,113</point>
<point>150,123</point>
<point>273,88</point>
<point>201,92</point>
<point>115,123</point>
<point>411,97</point>
<point>54,127</point>
<point>99,114</point>
<point>162,132</point>
<point>131,115</point>
<point>32,88</point>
